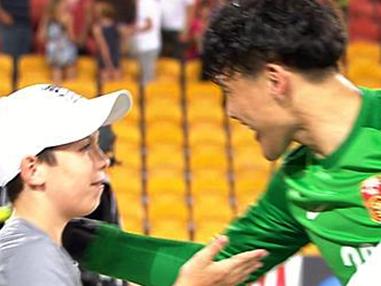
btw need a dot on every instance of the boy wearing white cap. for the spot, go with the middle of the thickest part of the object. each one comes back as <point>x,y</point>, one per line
<point>53,171</point>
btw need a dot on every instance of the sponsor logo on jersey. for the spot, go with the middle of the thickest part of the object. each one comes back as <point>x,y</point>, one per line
<point>371,194</point>
<point>312,215</point>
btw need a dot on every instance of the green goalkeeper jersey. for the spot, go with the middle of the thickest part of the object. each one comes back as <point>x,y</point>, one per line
<point>308,200</point>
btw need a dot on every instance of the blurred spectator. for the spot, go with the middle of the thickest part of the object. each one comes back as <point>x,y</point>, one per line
<point>56,31</point>
<point>107,37</point>
<point>198,27</point>
<point>126,10</point>
<point>197,31</point>
<point>147,40</point>
<point>177,16</point>
<point>15,27</point>
<point>81,11</point>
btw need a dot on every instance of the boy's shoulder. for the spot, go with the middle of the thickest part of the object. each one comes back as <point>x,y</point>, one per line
<point>28,254</point>
<point>19,237</point>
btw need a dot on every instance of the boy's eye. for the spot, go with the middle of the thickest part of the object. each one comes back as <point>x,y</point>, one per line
<point>85,148</point>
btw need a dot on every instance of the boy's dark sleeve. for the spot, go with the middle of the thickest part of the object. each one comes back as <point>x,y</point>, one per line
<point>145,260</point>
<point>152,261</point>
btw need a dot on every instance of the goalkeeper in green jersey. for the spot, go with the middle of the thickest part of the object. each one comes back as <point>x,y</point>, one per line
<point>277,63</point>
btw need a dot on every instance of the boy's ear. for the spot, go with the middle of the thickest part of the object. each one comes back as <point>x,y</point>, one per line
<point>279,81</point>
<point>32,171</point>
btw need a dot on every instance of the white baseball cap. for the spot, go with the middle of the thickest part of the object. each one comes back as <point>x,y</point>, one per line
<point>43,115</point>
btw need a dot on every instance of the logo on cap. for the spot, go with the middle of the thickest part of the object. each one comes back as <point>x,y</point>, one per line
<point>371,194</point>
<point>62,92</point>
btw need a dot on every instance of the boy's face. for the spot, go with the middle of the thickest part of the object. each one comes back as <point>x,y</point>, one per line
<point>74,185</point>
<point>250,101</point>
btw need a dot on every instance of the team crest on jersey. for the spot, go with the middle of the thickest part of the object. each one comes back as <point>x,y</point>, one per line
<point>371,194</point>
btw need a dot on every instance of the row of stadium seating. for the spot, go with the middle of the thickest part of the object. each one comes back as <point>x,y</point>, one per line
<point>186,169</point>
<point>180,159</point>
<point>34,69</point>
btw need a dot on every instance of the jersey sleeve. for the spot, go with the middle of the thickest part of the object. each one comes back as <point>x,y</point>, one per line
<point>104,248</point>
<point>268,225</point>
<point>155,262</point>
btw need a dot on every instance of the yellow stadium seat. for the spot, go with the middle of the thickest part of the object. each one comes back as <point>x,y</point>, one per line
<point>249,156</point>
<point>204,92</point>
<point>127,132</point>
<point>244,200</point>
<point>209,174</point>
<point>170,111</point>
<point>85,87</point>
<point>33,69</point>
<point>168,69</point>
<point>208,227</point>
<point>6,70</point>
<point>165,197</point>
<point>207,230</point>
<point>208,156</point>
<point>130,69</point>
<point>169,227</point>
<point>165,156</point>
<point>203,211</point>
<point>163,89</point>
<point>162,181</point>
<point>128,153</point>
<point>167,206</point>
<point>127,187</point>
<point>245,140</point>
<point>363,50</point>
<point>256,173</point>
<point>249,185</point>
<point>133,117</point>
<point>131,211</point>
<point>203,205</point>
<point>242,135</point>
<point>86,68</point>
<point>214,198</point>
<point>200,111</point>
<point>365,72</point>
<point>159,132</point>
<point>206,133</point>
<point>163,101</point>
<point>125,180</point>
<point>255,184</point>
<point>193,70</point>
<point>310,250</point>
<point>210,185</point>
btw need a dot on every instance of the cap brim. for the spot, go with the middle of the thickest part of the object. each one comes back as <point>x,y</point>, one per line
<point>87,118</point>
<point>115,105</point>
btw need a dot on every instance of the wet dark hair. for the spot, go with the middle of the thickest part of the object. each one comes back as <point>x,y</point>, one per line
<point>16,185</point>
<point>305,35</point>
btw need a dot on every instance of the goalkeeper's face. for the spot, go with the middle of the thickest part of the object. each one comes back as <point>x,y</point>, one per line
<point>256,103</point>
